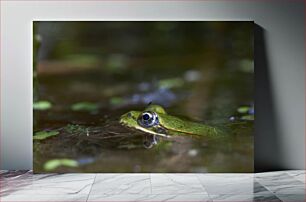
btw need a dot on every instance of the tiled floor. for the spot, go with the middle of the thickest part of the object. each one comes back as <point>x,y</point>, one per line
<point>287,186</point>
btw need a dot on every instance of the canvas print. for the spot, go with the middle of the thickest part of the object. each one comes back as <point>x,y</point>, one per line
<point>151,96</point>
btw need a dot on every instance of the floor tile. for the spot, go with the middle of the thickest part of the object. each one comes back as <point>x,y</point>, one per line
<point>282,183</point>
<point>260,189</point>
<point>261,193</point>
<point>3,171</point>
<point>291,197</point>
<point>114,198</point>
<point>277,175</point>
<point>43,198</point>
<point>286,186</point>
<point>268,197</point>
<point>245,198</point>
<point>232,184</point>
<point>121,184</point>
<point>180,198</point>
<point>48,184</point>
<point>298,175</point>
<point>176,184</point>
<point>15,180</point>
<point>231,198</point>
<point>149,198</point>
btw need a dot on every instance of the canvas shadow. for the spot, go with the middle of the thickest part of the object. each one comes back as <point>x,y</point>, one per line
<point>267,150</point>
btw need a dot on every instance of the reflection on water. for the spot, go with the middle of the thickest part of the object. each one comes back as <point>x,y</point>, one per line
<point>92,73</point>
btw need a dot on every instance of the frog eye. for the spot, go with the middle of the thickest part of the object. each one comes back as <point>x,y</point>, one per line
<point>148,119</point>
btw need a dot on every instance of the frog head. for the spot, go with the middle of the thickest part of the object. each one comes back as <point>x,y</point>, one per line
<point>146,121</point>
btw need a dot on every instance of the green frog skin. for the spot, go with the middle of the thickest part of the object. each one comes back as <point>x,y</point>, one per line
<point>154,120</point>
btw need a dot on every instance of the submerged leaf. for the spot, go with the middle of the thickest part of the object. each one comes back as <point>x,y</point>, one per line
<point>83,60</point>
<point>243,109</point>
<point>55,163</point>
<point>116,62</point>
<point>42,105</point>
<point>75,128</point>
<point>248,117</point>
<point>84,106</point>
<point>41,135</point>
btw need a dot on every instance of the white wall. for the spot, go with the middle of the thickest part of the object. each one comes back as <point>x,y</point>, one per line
<point>284,31</point>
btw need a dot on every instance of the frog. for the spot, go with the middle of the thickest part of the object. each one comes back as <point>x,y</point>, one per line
<point>154,120</point>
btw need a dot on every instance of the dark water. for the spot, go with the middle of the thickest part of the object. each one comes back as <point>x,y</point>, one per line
<point>201,72</point>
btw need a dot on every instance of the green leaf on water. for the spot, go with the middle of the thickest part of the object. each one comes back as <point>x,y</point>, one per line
<point>116,101</point>
<point>247,66</point>
<point>248,117</point>
<point>243,109</point>
<point>42,105</point>
<point>84,106</point>
<point>41,135</point>
<point>55,163</point>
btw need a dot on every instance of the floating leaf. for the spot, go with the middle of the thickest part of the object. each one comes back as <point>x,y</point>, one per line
<point>55,163</point>
<point>243,109</point>
<point>248,117</point>
<point>42,105</point>
<point>84,106</point>
<point>41,135</point>
<point>116,101</point>
<point>82,60</point>
<point>171,83</point>
<point>247,66</point>
<point>116,62</point>
<point>192,75</point>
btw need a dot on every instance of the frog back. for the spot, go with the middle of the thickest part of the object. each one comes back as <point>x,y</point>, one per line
<point>187,127</point>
